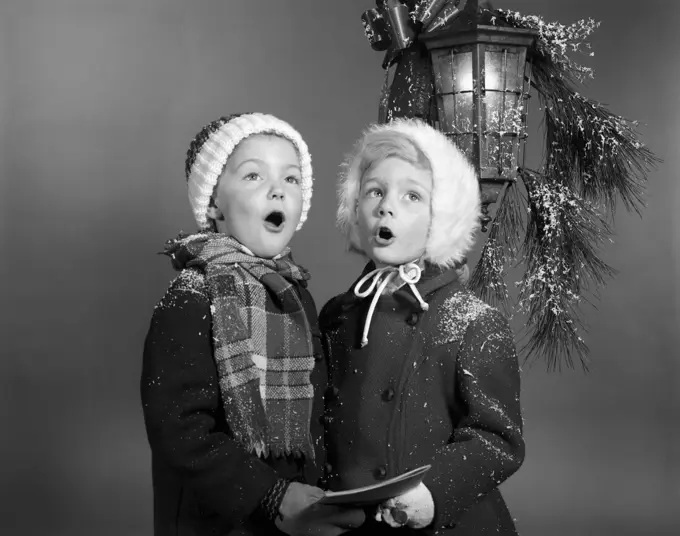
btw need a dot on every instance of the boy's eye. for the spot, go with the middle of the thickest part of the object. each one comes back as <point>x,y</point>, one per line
<point>252,176</point>
<point>413,196</point>
<point>374,192</point>
<point>293,179</point>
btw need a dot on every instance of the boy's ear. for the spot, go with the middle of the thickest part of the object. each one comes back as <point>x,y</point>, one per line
<point>214,212</point>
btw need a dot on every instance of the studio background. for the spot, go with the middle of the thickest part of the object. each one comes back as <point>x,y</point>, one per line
<point>99,100</point>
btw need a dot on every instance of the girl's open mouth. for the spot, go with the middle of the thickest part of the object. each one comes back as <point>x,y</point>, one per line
<point>384,236</point>
<point>274,221</point>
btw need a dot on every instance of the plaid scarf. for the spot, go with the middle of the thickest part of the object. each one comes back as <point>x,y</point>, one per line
<point>262,341</point>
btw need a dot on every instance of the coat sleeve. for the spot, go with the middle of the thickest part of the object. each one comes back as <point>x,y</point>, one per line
<point>487,445</point>
<point>183,414</point>
<point>327,316</point>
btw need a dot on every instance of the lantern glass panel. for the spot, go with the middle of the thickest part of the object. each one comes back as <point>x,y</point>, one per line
<point>445,112</point>
<point>502,117</point>
<point>453,70</point>
<point>503,127</point>
<point>502,112</point>
<point>443,75</point>
<point>501,154</point>
<point>462,71</point>
<point>455,112</point>
<point>503,70</point>
<point>465,143</point>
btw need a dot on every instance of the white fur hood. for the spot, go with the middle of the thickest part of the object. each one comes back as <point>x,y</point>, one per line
<point>455,194</point>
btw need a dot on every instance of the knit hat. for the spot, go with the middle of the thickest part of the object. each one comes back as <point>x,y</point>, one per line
<point>455,198</point>
<point>210,150</point>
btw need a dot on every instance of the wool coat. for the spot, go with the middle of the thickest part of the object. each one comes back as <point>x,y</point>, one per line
<point>204,482</point>
<point>437,387</point>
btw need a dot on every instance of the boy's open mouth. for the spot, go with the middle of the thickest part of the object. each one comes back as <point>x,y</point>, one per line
<point>274,220</point>
<point>384,236</point>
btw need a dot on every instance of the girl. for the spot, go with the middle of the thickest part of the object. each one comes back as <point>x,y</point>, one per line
<point>422,372</point>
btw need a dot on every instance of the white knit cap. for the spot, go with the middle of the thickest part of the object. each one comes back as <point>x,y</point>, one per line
<point>204,172</point>
<point>455,198</point>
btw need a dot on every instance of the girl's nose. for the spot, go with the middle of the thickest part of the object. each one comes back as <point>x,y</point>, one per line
<point>385,207</point>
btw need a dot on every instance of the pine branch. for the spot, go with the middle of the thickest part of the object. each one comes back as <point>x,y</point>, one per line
<point>488,278</point>
<point>502,245</point>
<point>602,149</point>
<point>596,150</point>
<point>560,249</point>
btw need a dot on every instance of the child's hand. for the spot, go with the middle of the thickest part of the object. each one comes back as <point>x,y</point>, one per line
<point>302,516</point>
<point>298,497</point>
<point>414,509</point>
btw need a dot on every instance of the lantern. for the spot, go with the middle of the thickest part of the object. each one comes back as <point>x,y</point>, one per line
<point>481,84</point>
<point>467,70</point>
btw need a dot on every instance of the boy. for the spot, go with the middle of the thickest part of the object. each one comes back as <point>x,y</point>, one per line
<point>233,373</point>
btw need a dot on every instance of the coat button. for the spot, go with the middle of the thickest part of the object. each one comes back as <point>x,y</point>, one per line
<point>324,419</point>
<point>327,468</point>
<point>388,394</point>
<point>332,392</point>
<point>412,319</point>
<point>380,472</point>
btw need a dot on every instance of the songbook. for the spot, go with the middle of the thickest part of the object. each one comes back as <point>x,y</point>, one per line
<point>377,493</point>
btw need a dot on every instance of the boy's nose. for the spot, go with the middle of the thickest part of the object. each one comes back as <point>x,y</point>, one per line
<point>276,191</point>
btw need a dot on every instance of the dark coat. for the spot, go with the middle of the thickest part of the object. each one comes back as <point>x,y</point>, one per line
<point>205,482</point>
<point>439,387</point>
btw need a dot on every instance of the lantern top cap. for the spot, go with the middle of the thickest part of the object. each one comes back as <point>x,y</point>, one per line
<point>475,32</point>
<point>477,24</point>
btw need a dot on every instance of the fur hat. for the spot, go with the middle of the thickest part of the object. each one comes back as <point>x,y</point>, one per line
<point>455,199</point>
<point>211,148</point>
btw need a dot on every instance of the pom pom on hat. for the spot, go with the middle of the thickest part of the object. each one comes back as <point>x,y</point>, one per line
<point>211,148</point>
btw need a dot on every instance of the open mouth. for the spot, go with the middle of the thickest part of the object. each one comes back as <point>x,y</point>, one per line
<point>274,220</point>
<point>384,235</point>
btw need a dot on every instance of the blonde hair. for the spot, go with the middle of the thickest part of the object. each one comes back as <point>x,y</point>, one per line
<point>379,146</point>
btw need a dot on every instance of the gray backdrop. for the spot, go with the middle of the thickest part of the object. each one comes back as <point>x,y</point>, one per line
<point>98,102</point>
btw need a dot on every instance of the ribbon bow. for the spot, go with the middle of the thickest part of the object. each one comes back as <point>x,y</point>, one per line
<point>380,277</point>
<point>394,25</point>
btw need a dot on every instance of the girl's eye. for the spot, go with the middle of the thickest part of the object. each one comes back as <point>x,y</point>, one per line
<point>252,176</point>
<point>374,192</point>
<point>293,179</point>
<point>413,197</point>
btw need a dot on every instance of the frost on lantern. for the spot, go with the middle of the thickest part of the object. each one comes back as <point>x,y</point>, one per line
<point>557,40</point>
<point>496,117</point>
<point>503,109</point>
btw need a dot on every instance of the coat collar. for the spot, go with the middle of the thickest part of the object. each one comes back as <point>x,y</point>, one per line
<point>433,278</point>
